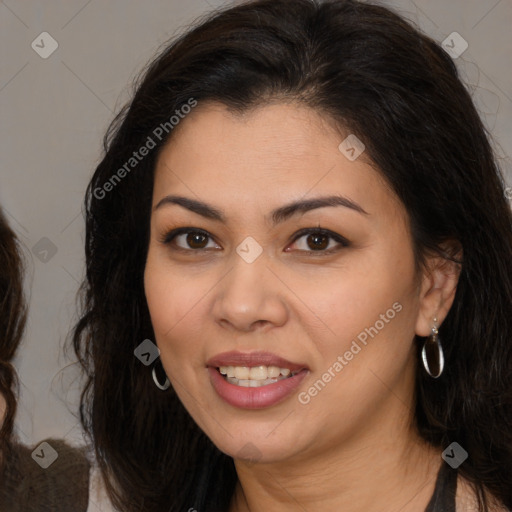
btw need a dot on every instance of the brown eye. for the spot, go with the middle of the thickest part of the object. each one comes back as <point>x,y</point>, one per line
<point>321,241</point>
<point>317,241</point>
<point>196,240</point>
<point>188,239</point>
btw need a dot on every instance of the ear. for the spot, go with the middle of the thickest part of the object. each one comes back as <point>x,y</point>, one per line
<point>437,288</point>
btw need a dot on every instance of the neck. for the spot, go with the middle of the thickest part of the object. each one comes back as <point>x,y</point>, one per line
<point>392,471</point>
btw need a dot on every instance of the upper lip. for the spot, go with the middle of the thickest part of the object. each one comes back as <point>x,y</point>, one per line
<point>251,359</point>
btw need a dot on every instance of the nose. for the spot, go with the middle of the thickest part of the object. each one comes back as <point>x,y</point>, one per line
<point>250,297</point>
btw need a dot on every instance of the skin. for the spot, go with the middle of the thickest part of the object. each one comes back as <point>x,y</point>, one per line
<point>352,446</point>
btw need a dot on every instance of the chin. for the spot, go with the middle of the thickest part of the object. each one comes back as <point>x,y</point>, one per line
<point>252,448</point>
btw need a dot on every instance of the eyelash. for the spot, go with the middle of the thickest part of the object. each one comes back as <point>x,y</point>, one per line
<point>171,235</point>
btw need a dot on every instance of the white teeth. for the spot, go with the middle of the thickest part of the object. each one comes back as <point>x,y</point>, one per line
<point>248,383</point>
<point>254,376</point>
<point>228,371</point>
<point>258,373</point>
<point>273,371</point>
<point>242,372</point>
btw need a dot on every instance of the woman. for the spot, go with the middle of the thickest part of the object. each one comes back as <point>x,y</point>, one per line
<point>301,214</point>
<point>51,475</point>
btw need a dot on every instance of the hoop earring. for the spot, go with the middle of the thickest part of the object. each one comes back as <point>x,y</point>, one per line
<point>158,385</point>
<point>435,351</point>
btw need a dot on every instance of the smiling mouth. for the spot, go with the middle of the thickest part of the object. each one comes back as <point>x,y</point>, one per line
<point>255,376</point>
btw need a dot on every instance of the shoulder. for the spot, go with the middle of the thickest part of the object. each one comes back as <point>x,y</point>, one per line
<point>98,499</point>
<point>51,475</point>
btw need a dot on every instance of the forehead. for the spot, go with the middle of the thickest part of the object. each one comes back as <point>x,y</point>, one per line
<point>272,132</point>
<point>272,153</point>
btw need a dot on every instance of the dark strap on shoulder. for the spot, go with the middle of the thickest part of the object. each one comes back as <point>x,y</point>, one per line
<point>443,499</point>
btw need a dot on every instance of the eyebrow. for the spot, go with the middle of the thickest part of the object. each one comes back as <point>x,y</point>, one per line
<point>277,216</point>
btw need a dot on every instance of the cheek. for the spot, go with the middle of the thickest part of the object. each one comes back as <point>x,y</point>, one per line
<point>175,305</point>
<point>166,293</point>
<point>358,297</point>
<point>371,314</point>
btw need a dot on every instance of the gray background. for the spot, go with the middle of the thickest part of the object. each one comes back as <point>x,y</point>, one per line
<point>54,112</point>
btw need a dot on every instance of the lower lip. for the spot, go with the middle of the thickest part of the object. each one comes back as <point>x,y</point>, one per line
<point>254,398</point>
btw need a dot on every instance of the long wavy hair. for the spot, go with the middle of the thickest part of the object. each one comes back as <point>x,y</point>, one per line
<point>396,89</point>
<point>13,313</point>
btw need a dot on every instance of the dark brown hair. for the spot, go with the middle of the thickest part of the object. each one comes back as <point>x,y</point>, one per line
<point>381,79</point>
<point>12,321</point>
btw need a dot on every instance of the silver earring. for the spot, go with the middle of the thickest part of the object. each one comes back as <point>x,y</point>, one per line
<point>432,353</point>
<point>160,386</point>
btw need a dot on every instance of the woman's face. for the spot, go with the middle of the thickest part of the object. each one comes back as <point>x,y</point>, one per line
<point>337,311</point>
